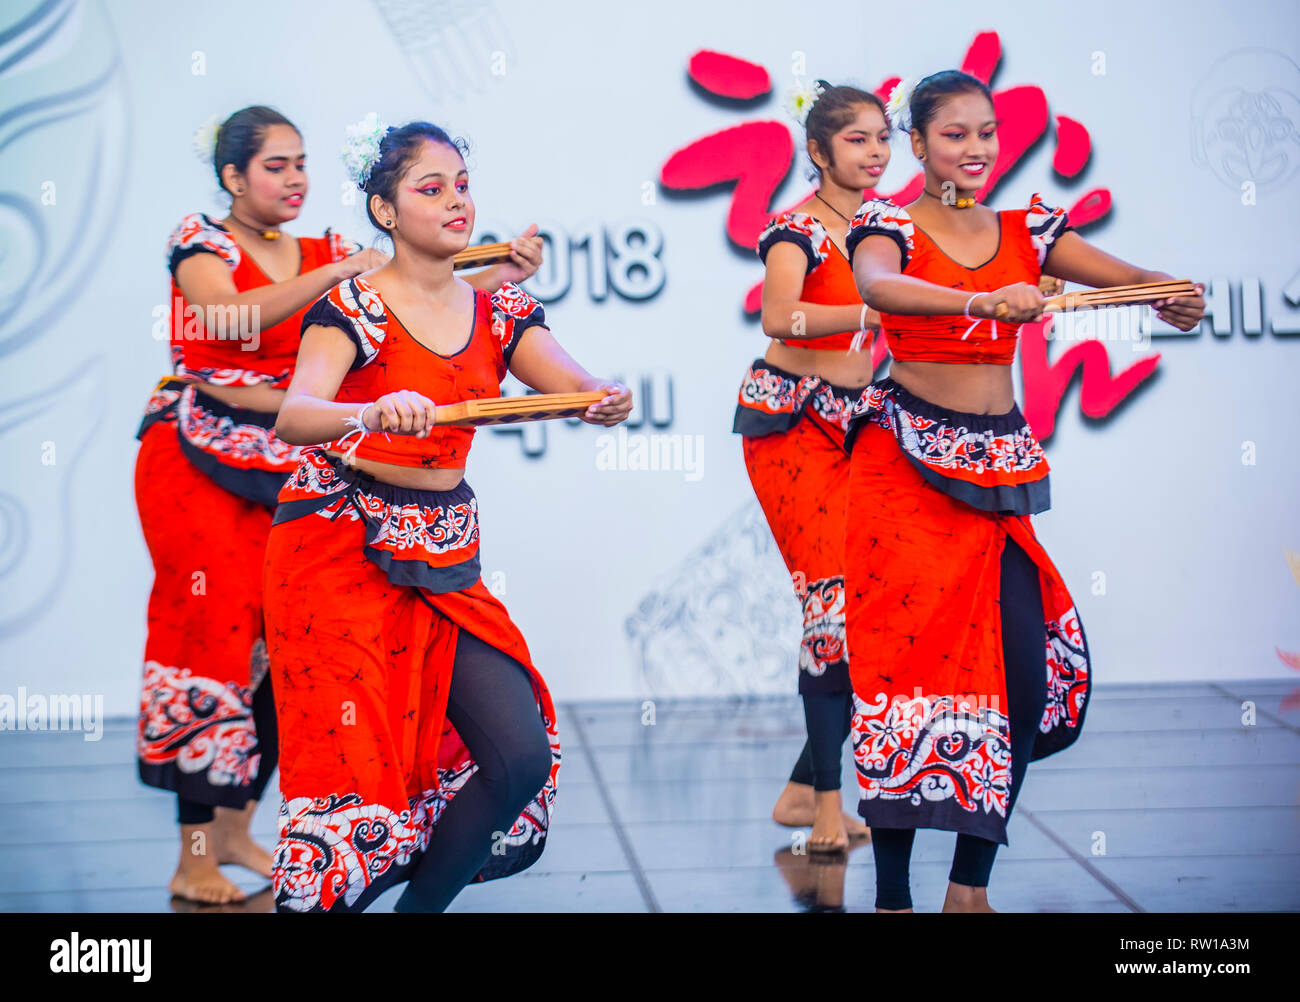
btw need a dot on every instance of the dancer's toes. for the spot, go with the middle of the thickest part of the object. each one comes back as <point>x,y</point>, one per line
<point>829,833</point>
<point>204,884</point>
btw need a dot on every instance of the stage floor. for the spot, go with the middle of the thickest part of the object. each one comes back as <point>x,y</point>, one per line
<point>1167,803</point>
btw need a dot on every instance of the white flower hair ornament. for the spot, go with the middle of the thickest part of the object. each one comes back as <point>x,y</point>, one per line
<point>801,99</point>
<point>899,104</point>
<point>361,148</point>
<point>205,139</point>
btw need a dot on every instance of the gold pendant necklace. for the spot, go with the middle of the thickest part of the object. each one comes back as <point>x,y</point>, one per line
<point>961,203</point>
<point>264,234</point>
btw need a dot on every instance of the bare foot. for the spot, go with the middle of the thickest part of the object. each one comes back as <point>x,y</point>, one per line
<point>797,808</point>
<point>794,808</point>
<point>261,902</point>
<point>232,842</point>
<point>893,911</point>
<point>197,876</point>
<point>828,834</point>
<point>961,898</point>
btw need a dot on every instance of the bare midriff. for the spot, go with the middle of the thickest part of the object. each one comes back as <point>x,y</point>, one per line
<point>839,368</point>
<point>416,478</point>
<point>973,389</point>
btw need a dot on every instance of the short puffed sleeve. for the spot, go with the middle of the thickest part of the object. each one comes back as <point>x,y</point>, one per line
<point>200,234</point>
<point>880,216</point>
<point>1045,225</point>
<point>513,312</point>
<point>340,246</point>
<point>354,307</point>
<point>803,231</point>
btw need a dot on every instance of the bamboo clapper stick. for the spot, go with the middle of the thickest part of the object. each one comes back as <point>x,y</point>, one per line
<point>1115,295</point>
<point>508,410</point>
<point>481,255</point>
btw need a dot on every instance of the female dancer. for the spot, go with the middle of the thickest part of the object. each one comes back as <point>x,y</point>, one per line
<point>206,477</point>
<point>792,410</point>
<point>969,657</point>
<point>418,740</point>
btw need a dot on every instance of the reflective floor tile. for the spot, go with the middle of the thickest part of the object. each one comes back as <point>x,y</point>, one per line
<point>1257,746</point>
<point>568,892</point>
<point>1282,707</point>
<point>1017,886</point>
<point>579,848</point>
<point>136,899</point>
<point>1173,832</point>
<point>115,781</point>
<point>1279,686</point>
<point>709,845</point>
<point>634,724</point>
<point>72,866</point>
<point>1196,713</point>
<point>1151,690</point>
<point>688,763</point>
<point>26,748</point>
<point>1208,883</point>
<point>1207,786</point>
<point>706,800</point>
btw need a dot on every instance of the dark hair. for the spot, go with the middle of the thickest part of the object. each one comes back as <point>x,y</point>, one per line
<point>241,136</point>
<point>397,151</point>
<point>832,111</point>
<point>935,89</point>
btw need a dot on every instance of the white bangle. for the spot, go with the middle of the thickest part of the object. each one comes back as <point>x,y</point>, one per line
<point>966,311</point>
<point>356,425</point>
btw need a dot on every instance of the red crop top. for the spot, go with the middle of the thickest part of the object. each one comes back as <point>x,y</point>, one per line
<point>1025,238</point>
<point>828,280</point>
<point>389,359</point>
<point>271,357</point>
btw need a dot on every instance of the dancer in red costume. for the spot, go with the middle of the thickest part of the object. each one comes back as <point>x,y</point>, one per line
<point>792,410</point>
<point>207,474</point>
<point>418,739</point>
<point>969,658</point>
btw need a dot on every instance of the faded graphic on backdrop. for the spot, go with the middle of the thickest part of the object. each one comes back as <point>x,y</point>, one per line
<point>61,89</point>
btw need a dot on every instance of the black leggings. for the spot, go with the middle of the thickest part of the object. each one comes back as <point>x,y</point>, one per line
<point>1025,657</point>
<point>194,812</point>
<point>828,719</point>
<point>492,705</point>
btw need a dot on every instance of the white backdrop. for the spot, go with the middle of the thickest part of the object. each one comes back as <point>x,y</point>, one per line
<point>632,582</point>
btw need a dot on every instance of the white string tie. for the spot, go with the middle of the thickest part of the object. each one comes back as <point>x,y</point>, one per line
<point>860,338</point>
<point>357,425</point>
<point>978,320</point>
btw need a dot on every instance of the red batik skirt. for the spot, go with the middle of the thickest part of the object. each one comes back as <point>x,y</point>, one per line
<point>367,588</point>
<point>206,524</point>
<point>793,428</point>
<point>933,496</point>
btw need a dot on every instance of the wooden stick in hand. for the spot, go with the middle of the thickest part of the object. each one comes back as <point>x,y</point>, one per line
<point>1115,295</point>
<point>481,255</point>
<point>508,410</point>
